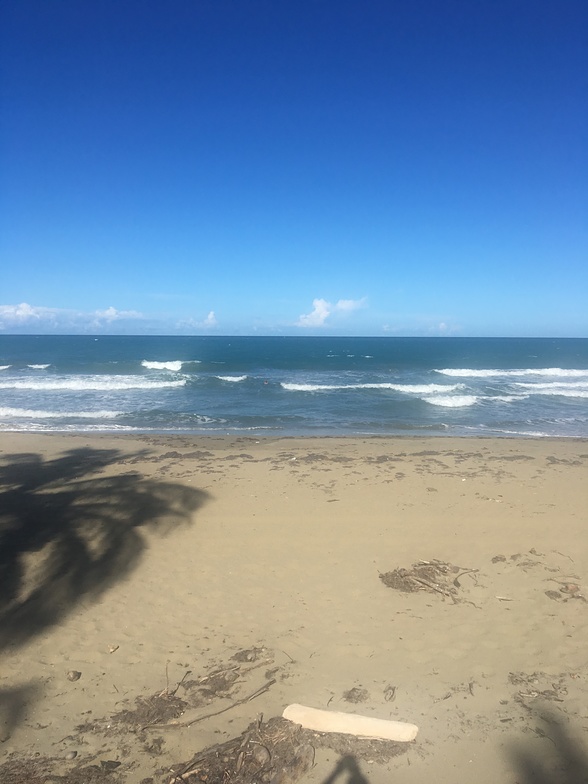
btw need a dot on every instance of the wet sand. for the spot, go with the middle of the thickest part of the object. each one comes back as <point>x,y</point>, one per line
<point>143,562</point>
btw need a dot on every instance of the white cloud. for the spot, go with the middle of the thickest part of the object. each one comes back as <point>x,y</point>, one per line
<point>210,322</point>
<point>321,310</point>
<point>23,313</point>
<point>32,318</point>
<point>112,314</point>
<point>421,326</point>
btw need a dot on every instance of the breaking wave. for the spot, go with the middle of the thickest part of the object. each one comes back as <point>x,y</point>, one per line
<point>487,373</point>
<point>415,389</point>
<point>41,414</point>
<point>97,383</point>
<point>454,401</point>
<point>174,365</point>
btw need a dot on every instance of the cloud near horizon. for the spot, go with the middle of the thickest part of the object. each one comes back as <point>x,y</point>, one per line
<point>210,322</point>
<point>322,309</point>
<point>39,318</point>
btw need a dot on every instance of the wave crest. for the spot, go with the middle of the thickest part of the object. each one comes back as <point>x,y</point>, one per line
<point>487,373</point>
<point>415,389</point>
<point>174,365</point>
<point>41,414</point>
<point>97,383</point>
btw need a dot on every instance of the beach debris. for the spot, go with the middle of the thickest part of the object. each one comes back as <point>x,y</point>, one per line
<point>433,576</point>
<point>71,755</point>
<point>350,724</point>
<point>277,751</point>
<point>356,695</point>
<point>42,770</point>
<point>390,693</point>
<point>248,654</point>
<point>73,675</point>
<point>157,709</point>
<point>538,686</point>
<point>555,595</point>
<point>113,648</point>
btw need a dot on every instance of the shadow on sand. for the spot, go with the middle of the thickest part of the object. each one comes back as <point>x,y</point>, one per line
<point>346,771</point>
<point>563,762</point>
<point>68,534</point>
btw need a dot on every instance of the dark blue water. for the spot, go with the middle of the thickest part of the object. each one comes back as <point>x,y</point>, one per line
<point>295,386</point>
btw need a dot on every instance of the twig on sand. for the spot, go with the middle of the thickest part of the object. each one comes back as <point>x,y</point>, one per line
<point>461,574</point>
<point>179,725</point>
<point>433,587</point>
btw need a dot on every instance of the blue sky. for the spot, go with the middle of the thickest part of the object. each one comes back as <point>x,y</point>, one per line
<point>313,167</point>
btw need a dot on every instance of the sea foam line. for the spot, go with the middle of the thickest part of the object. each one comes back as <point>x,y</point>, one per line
<point>416,389</point>
<point>97,383</point>
<point>487,373</point>
<point>548,385</point>
<point>5,367</point>
<point>232,378</point>
<point>26,413</point>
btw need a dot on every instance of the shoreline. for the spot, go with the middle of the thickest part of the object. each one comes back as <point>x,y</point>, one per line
<point>153,556</point>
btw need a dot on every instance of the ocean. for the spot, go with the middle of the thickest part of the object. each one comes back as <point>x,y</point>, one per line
<point>295,385</point>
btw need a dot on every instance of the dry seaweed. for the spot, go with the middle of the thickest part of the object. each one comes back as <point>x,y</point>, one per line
<point>278,751</point>
<point>40,771</point>
<point>432,576</point>
<point>157,709</point>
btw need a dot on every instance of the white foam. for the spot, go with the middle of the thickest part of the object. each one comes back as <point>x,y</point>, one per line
<point>38,367</point>
<point>563,392</point>
<point>415,389</point>
<point>26,413</point>
<point>5,367</point>
<point>487,373</point>
<point>506,398</point>
<point>549,385</point>
<point>97,383</point>
<point>232,378</point>
<point>175,365</point>
<point>21,427</point>
<point>454,401</point>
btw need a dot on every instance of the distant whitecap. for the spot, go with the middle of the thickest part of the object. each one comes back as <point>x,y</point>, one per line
<point>454,401</point>
<point>416,389</point>
<point>175,365</point>
<point>487,373</point>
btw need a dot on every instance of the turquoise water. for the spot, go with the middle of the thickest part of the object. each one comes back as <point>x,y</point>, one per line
<point>295,386</point>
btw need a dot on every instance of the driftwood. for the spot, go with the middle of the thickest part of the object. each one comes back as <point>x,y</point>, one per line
<point>350,724</point>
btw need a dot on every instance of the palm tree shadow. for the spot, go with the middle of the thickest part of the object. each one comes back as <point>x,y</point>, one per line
<point>567,762</point>
<point>346,771</point>
<point>14,703</point>
<point>68,533</point>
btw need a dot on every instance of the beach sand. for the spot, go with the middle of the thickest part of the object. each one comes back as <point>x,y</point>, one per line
<point>243,566</point>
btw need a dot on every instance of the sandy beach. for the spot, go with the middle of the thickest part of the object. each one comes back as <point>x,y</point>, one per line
<point>160,594</point>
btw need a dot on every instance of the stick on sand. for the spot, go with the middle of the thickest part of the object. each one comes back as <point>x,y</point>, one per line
<point>350,724</point>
